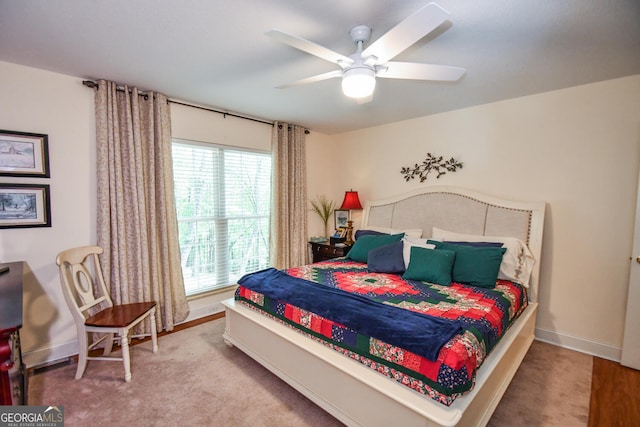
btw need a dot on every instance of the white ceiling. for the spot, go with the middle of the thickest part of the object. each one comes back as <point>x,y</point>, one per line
<point>215,53</point>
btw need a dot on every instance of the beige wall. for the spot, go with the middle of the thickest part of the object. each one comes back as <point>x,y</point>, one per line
<point>578,149</point>
<point>323,176</point>
<point>43,102</point>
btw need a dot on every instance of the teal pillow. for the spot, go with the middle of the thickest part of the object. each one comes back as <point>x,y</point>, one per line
<point>477,266</point>
<point>430,265</point>
<point>362,246</point>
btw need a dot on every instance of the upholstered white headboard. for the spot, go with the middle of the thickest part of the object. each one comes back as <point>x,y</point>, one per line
<point>463,211</point>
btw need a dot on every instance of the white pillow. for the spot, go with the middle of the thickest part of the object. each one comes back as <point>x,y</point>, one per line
<point>408,242</point>
<point>517,261</point>
<point>412,233</point>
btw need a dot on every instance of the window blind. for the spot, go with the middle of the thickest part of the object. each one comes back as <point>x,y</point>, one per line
<point>223,202</point>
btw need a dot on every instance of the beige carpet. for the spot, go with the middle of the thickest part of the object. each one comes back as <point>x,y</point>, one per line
<point>196,380</point>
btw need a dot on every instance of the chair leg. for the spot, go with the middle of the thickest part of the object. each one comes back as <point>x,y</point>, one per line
<point>154,335</point>
<point>126,360</point>
<point>108,345</point>
<point>83,350</point>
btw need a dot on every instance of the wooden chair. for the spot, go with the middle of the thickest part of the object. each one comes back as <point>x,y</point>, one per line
<point>93,311</point>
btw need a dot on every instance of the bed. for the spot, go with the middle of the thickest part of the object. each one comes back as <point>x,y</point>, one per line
<point>354,393</point>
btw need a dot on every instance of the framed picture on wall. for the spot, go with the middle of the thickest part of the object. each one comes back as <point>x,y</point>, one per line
<point>341,217</point>
<point>24,154</point>
<point>24,206</point>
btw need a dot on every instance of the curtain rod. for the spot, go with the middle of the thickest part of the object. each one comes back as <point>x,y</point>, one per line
<point>94,85</point>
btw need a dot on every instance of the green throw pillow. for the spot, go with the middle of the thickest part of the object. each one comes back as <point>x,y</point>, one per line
<point>360,250</point>
<point>477,266</point>
<point>430,265</point>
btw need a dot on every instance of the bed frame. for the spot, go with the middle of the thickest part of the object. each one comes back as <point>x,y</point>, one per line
<point>359,396</point>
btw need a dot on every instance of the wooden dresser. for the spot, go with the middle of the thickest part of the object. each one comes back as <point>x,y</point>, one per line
<point>325,251</point>
<point>12,378</point>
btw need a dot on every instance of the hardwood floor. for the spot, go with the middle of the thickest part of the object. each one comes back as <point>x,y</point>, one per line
<point>615,395</point>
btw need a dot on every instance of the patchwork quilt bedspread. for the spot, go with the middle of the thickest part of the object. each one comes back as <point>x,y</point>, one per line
<point>483,315</point>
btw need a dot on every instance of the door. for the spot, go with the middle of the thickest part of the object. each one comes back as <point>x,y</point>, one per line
<point>631,340</point>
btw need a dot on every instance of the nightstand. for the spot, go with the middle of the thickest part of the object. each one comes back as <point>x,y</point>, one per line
<point>325,251</point>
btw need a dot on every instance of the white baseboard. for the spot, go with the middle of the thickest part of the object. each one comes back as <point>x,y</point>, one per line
<point>48,355</point>
<point>203,311</point>
<point>582,345</point>
<point>208,304</point>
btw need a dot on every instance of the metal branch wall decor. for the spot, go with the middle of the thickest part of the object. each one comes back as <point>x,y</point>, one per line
<point>431,164</point>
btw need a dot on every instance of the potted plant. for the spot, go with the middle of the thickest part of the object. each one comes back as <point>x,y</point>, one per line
<point>324,208</point>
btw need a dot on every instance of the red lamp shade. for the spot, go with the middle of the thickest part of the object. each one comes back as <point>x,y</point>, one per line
<point>351,201</point>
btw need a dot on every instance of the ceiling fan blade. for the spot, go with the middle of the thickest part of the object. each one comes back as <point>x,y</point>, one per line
<point>313,79</point>
<point>414,71</point>
<point>406,33</point>
<point>310,47</point>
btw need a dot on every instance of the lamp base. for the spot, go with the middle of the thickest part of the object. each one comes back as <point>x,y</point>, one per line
<point>349,240</point>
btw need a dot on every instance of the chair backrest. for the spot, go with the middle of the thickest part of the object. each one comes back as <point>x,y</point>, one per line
<point>82,281</point>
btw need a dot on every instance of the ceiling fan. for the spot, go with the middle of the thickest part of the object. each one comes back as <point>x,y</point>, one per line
<point>360,69</point>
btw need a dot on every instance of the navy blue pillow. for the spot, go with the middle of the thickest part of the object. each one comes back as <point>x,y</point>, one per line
<point>366,233</point>
<point>386,259</point>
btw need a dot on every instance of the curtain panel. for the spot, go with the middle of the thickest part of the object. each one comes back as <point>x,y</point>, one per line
<point>137,224</point>
<point>289,211</point>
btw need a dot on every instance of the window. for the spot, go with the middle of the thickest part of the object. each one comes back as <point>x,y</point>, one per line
<point>223,200</point>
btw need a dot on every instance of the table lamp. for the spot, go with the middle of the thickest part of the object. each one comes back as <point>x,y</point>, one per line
<point>350,202</point>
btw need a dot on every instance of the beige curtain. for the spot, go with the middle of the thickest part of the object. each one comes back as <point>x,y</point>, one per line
<point>137,224</point>
<point>289,212</point>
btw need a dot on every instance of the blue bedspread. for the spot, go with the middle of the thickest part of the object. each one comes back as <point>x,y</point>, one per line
<point>419,333</point>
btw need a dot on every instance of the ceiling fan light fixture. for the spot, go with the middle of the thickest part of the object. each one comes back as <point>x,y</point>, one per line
<point>360,69</point>
<point>358,82</point>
